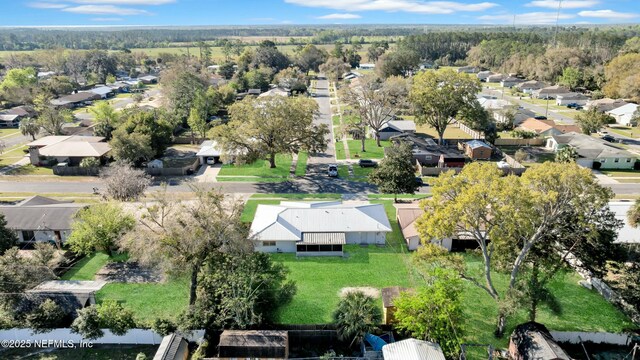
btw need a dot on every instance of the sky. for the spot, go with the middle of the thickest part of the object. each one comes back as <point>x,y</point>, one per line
<point>280,12</point>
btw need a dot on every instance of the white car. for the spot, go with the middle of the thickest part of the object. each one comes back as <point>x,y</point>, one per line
<point>333,170</point>
<point>211,161</point>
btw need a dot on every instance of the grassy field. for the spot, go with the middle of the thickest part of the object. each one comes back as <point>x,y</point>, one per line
<point>451,132</point>
<point>12,155</point>
<point>621,173</point>
<point>341,154</point>
<point>87,268</point>
<point>372,149</point>
<point>301,164</point>
<point>151,300</point>
<point>632,132</point>
<point>110,352</point>
<point>8,132</point>
<point>31,170</point>
<point>260,168</point>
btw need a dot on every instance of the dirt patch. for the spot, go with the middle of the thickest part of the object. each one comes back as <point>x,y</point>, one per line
<point>128,272</point>
<point>369,291</point>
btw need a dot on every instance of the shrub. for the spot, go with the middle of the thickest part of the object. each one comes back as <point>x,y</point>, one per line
<point>521,155</point>
<point>89,163</point>
<point>163,327</point>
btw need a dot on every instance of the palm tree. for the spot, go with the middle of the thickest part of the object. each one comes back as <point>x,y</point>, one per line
<point>356,315</point>
<point>29,126</point>
<point>567,155</point>
<point>633,215</point>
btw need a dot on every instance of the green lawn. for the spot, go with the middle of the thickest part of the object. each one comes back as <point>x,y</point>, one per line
<point>296,196</point>
<point>621,173</point>
<point>98,352</point>
<point>632,132</point>
<point>7,132</point>
<point>31,170</point>
<point>260,168</point>
<point>253,179</point>
<point>341,154</point>
<point>301,164</point>
<point>12,155</point>
<point>87,268</point>
<point>335,119</point>
<point>151,300</point>
<point>372,149</point>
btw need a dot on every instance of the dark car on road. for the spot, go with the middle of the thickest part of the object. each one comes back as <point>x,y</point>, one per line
<point>572,105</point>
<point>367,163</point>
<point>608,138</point>
<point>540,117</point>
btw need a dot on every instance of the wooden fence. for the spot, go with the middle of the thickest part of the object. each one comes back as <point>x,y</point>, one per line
<point>181,171</point>
<point>474,134</point>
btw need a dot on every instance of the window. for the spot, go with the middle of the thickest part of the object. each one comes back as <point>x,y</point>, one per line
<point>628,160</point>
<point>616,160</point>
<point>268,243</point>
<point>28,235</point>
<point>603,161</point>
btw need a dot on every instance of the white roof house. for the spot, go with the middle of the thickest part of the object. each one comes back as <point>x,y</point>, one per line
<point>623,114</point>
<point>103,91</point>
<point>275,92</point>
<point>290,225</point>
<point>627,234</point>
<point>412,349</point>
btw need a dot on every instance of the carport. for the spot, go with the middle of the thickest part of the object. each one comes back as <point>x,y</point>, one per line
<point>208,149</point>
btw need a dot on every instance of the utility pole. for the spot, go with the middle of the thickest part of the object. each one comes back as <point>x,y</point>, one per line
<point>555,37</point>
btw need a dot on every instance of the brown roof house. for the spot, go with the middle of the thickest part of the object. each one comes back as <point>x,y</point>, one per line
<point>550,92</point>
<point>476,149</point>
<point>68,149</point>
<point>389,294</point>
<point>547,128</point>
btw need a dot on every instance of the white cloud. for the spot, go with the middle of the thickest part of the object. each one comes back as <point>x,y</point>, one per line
<point>124,2</point>
<point>569,4</point>
<point>46,5</point>
<point>532,18</point>
<point>104,10</point>
<point>339,16</point>
<point>607,14</point>
<point>107,19</point>
<point>413,6</point>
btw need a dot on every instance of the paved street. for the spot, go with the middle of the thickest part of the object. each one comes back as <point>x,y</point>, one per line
<point>555,115</point>
<point>317,163</point>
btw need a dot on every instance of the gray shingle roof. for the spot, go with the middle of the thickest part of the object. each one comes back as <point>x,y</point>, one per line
<point>40,213</point>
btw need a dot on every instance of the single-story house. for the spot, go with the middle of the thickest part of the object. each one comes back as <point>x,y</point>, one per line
<point>412,349</point>
<point>483,75</point>
<point>253,344</point>
<point>69,149</point>
<point>532,341</point>
<point>104,91</point>
<point>476,149</point>
<point>74,100</point>
<point>120,87</point>
<point>550,92</point>
<point>389,294</point>
<point>498,108</point>
<point>572,98</point>
<point>396,127</point>
<point>510,81</point>
<point>43,75</point>
<point>593,153</point>
<point>209,149</point>
<point>547,127</point>
<point>496,78</point>
<point>318,228</point>
<point>11,117</point>
<point>148,79</point>
<point>627,234</point>
<point>606,104</point>
<point>469,69</point>
<point>276,92</point>
<point>41,219</point>
<point>172,347</point>
<point>428,153</point>
<point>530,86</point>
<point>367,66</point>
<point>624,114</point>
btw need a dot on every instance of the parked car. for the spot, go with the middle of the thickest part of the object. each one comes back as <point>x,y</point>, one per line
<point>540,117</point>
<point>211,161</point>
<point>367,163</point>
<point>603,133</point>
<point>333,170</point>
<point>579,107</point>
<point>608,138</point>
<point>572,105</point>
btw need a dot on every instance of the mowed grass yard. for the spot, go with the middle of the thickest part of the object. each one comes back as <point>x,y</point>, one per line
<point>258,169</point>
<point>372,149</point>
<point>319,281</point>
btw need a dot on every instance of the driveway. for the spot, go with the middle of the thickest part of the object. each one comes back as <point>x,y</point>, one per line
<point>208,173</point>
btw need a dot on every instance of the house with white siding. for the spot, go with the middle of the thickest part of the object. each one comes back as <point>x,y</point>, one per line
<point>318,228</point>
<point>593,153</point>
<point>624,114</point>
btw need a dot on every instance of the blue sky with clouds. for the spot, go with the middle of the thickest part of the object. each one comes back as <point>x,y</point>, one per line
<point>244,12</point>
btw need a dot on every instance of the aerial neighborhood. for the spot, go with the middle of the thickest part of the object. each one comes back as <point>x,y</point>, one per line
<point>325,191</point>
